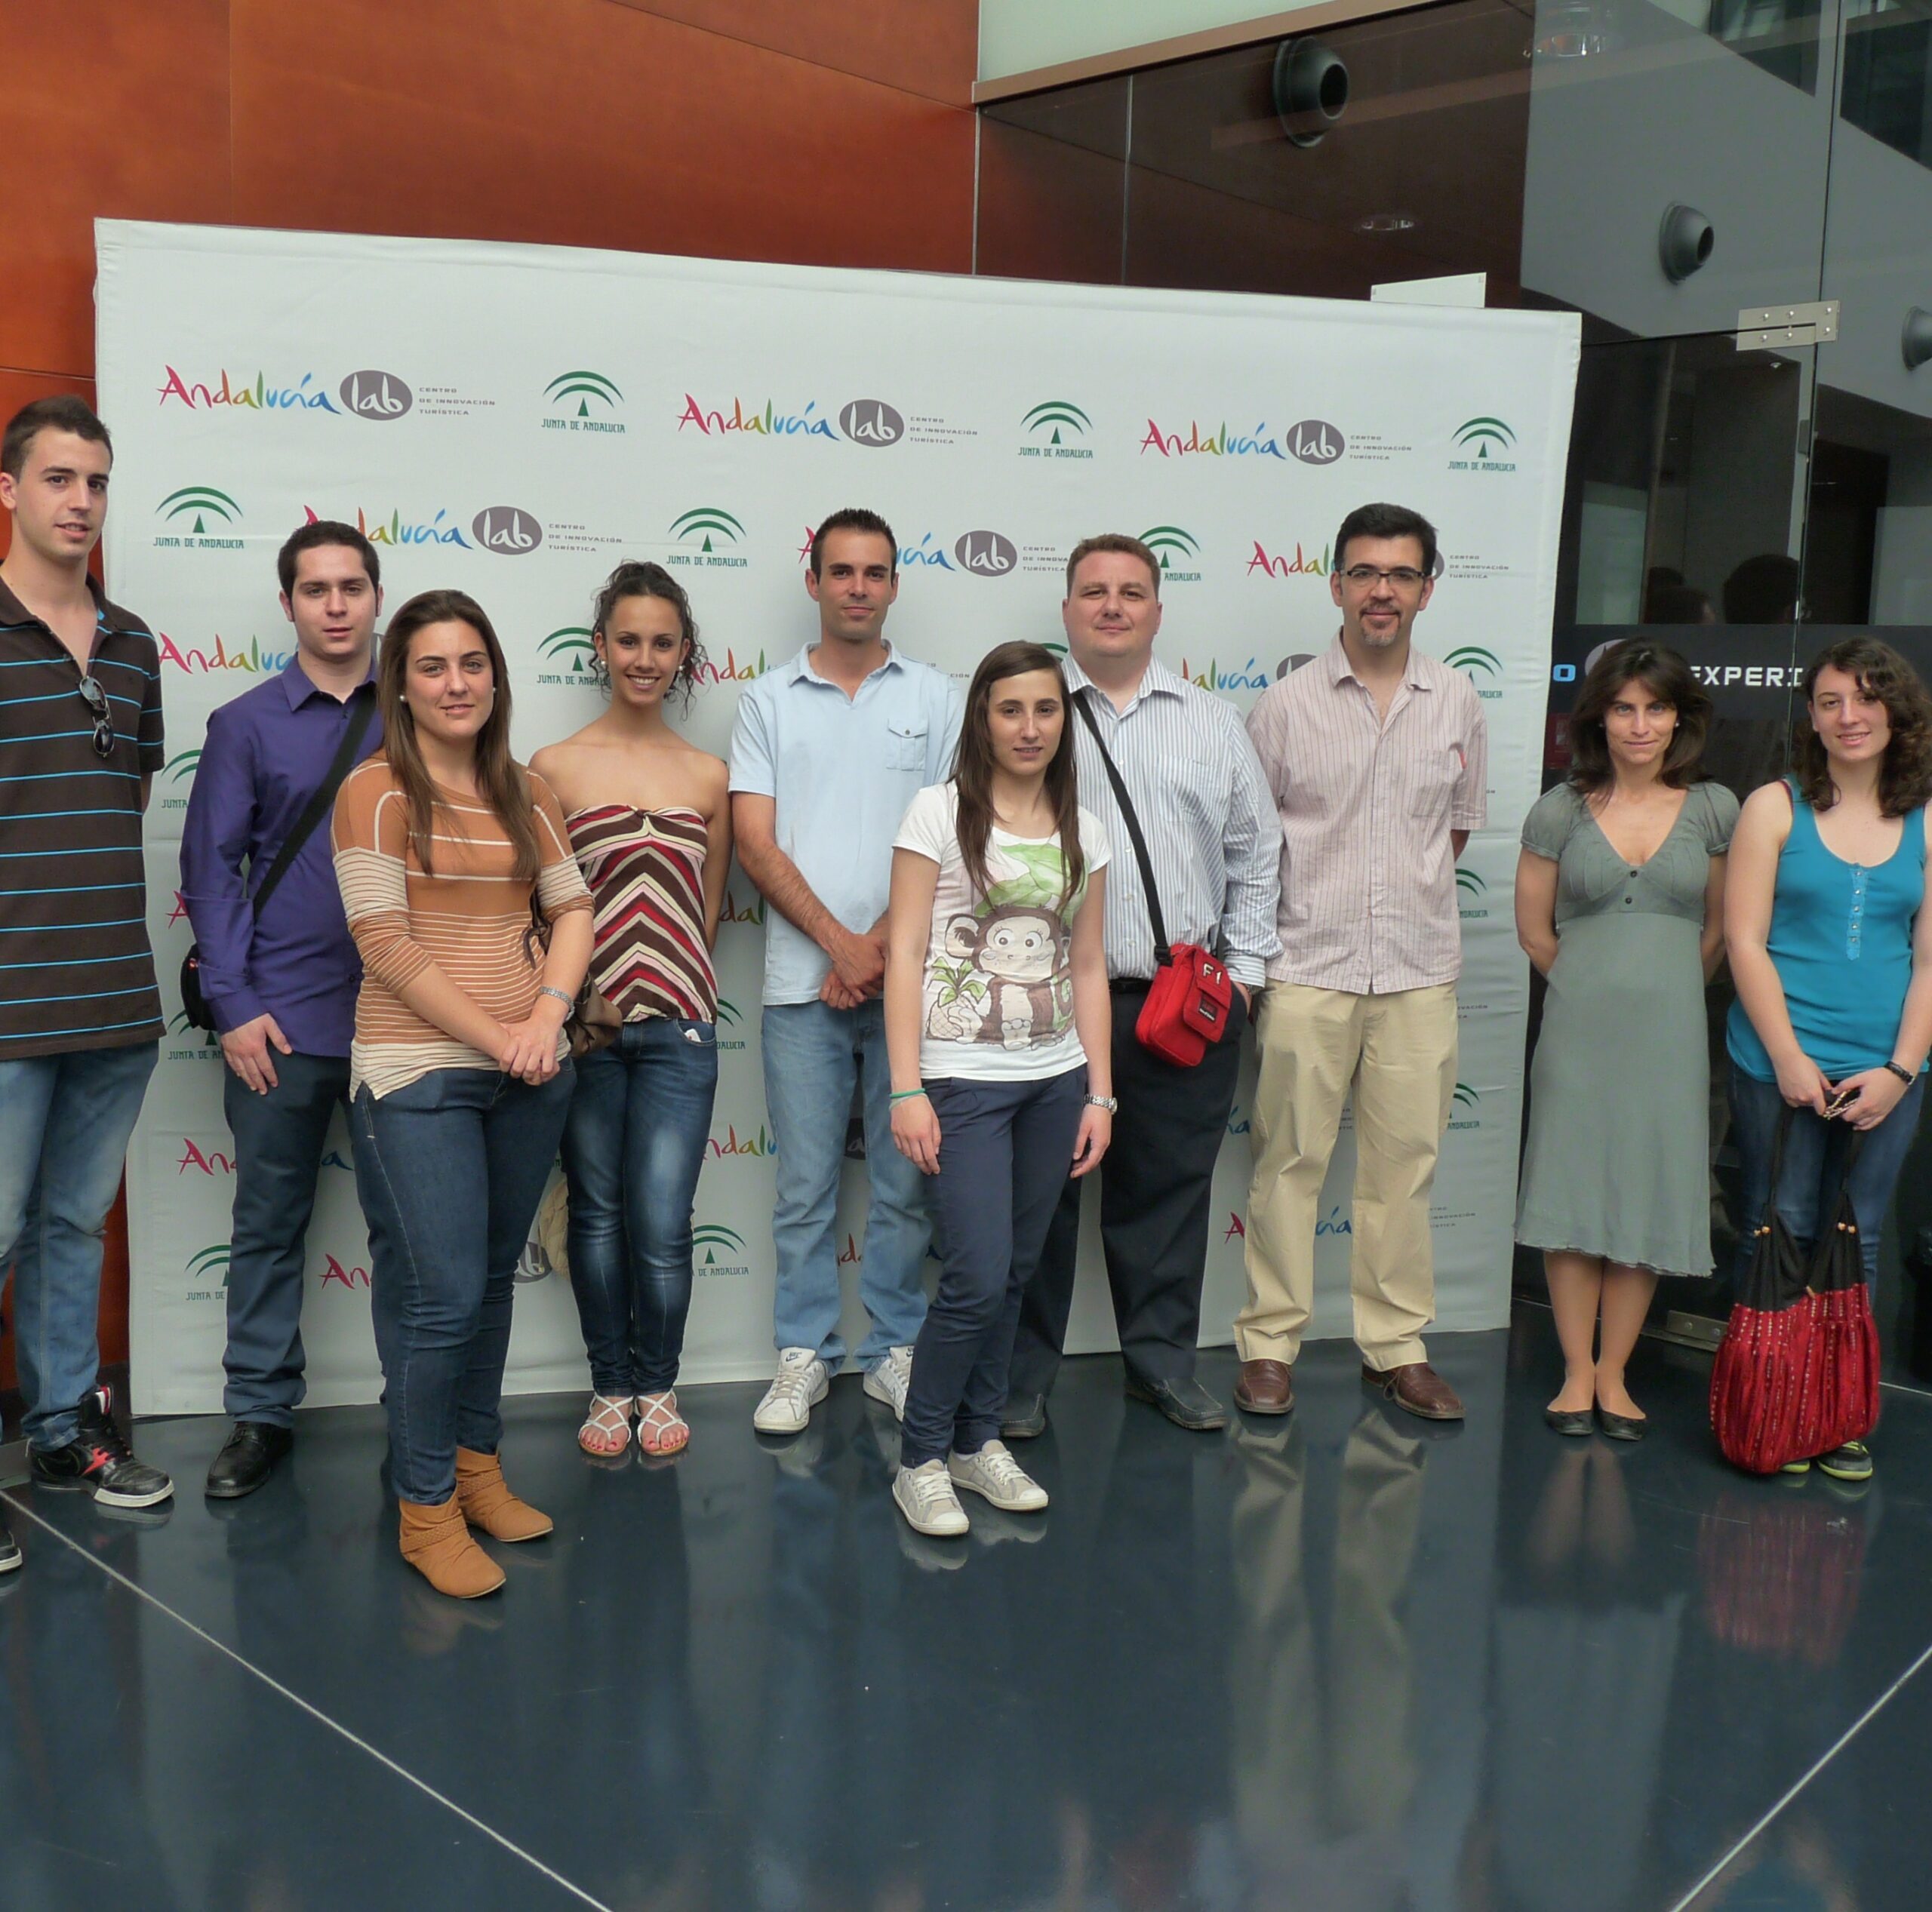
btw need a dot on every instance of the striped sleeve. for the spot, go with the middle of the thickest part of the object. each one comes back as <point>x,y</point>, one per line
<point>370,837</point>
<point>560,885</point>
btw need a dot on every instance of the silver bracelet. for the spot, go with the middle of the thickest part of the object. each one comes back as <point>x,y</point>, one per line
<point>1110,1103</point>
<point>545,989</point>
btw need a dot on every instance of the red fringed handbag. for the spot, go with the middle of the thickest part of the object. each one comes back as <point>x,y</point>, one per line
<point>1797,1373</point>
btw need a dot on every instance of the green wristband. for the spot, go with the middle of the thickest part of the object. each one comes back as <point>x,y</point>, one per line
<point>905,1095</point>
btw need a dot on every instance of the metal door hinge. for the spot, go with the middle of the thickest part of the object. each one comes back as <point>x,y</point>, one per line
<point>1763,328</point>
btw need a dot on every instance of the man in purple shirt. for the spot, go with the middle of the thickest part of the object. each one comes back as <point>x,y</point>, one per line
<point>281,983</point>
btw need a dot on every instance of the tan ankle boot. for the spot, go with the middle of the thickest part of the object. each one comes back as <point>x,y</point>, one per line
<point>487,1501</point>
<point>436,1543</point>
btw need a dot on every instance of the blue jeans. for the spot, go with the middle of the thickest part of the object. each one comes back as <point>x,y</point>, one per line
<point>633,1145</point>
<point>814,1057</point>
<point>1005,1150</point>
<point>450,1169</point>
<point>64,1124</point>
<point>279,1142</point>
<point>1814,1160</point>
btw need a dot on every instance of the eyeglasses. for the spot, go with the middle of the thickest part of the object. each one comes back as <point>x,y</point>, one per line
<point>1404,577</point>
<point>96,700</point>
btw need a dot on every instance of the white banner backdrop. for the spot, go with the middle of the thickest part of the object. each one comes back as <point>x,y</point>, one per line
<point>513,419</point>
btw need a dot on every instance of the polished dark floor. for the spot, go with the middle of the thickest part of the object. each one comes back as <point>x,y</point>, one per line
<point>1346,1662</point>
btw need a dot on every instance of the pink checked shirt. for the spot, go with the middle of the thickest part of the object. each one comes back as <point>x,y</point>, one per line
<point>1368,879</point>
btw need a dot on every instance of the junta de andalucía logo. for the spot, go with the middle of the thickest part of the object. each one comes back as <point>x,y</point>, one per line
<point>1177,551</point>
<point>584,401</point>
<point>705,537</point>
<point>193,518</point>
<point>1054,429</point>
<point>1484,443</point>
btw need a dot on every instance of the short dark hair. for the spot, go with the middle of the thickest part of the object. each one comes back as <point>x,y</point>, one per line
<point>1762,590</point>
<point>1113,541</point>
<point>1905,778</point>
<point>854,518</point>
<point>636,577</point>
<point>1386,521</point>
<point>62,413</point>
<point>1666,675</point>
<point>320,531</point>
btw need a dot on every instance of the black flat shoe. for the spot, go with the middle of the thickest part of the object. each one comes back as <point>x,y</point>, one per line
<point>1569,1420</point>
<point>1185,1402</point>
<point>1623,1427</point>
<point>247,1459</point>
<point>1024,1417</point>
<point>10,1552</point>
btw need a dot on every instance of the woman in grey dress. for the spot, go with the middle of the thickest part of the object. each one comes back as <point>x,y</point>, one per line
<point>1620,903</point>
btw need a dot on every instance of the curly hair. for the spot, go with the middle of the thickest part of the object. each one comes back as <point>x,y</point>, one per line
<point>1905,779</point>
<point>1666,675</point>
<point>640,578</point>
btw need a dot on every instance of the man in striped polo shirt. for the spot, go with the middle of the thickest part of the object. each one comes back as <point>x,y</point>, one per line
<point>80,1017</point>
<point>1377,757</point>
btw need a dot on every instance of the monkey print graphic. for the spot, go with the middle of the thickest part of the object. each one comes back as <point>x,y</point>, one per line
<point>1010,980</point>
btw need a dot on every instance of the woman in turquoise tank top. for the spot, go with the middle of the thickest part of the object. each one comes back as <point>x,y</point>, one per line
<point>1832,957</point>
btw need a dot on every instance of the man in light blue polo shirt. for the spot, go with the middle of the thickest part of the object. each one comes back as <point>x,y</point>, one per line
<point>829,750</point>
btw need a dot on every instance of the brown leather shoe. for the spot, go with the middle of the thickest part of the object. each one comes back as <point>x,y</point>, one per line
<point>1265,1387</point>
<point>1416,1388</point>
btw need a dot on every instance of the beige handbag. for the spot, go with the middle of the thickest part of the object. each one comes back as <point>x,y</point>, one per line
<point>553,1224</point>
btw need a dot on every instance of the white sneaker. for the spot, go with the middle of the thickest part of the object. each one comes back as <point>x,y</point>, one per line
<point>925,1497</point>
<point>799,1387</point>
<point>994,1475</point>
<point>888,1381</point>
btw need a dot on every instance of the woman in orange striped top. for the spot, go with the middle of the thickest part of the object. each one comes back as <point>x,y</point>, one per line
<point>474,930</point>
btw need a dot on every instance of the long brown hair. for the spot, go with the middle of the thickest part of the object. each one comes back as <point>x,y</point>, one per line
<point>500,778</point>
<point>1665,675</point>
<point>1905,778</point>
<point>974,765</point>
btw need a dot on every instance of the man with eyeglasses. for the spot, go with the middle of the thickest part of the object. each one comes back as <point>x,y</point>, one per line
<point>80,1017</point>
<point>1377,758</point>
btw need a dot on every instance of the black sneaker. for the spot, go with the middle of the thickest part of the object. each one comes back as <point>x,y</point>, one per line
<point>10,1552</point>
<point>98,1462</point>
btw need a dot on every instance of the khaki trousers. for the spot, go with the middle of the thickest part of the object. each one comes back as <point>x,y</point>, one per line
<point>1397,1054</point>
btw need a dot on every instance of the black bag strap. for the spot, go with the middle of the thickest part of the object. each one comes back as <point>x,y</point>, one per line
<point>319,805</point>
<point>1826,1217</point>
<point>1163,953</point>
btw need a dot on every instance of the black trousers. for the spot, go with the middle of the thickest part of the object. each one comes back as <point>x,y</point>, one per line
<point>1155,1186</point>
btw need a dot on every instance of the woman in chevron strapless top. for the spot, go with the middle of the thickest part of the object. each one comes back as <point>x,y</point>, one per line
<point>649,819</point>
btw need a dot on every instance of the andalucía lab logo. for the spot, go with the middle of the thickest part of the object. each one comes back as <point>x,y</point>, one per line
<point>379,397</point>
<point>584,401</point>
<point>987,554</point>
<point>1484,441</point>
<point>767,421</point>
<point>198,662</point>
<point>259,394</point>
<point>706,536</point>
<point>1315,441</point>
<point>1279,563</point>
<point>1197,442</point>
<point>396,530</point>
<point>188,515</point>
<point>1177,551</point>
<point>507,531</point>
<point>1054,430</point>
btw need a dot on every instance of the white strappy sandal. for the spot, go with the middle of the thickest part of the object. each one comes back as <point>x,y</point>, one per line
<point>662,1430</point>
<point>607,1427</point>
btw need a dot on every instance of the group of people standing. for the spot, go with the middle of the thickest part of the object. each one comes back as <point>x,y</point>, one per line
<point>490,964</point>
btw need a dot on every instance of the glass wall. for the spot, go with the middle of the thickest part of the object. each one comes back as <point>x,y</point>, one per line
<point>1663,167</point>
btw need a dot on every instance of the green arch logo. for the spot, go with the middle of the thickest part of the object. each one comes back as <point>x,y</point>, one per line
<point>205,1266</point>
<point>728,1011</point>
<point>1472,657</point>
<point>1466,1097</point>
<point>583,386</point>
<point>1479,433</point>
<point>707,522</point>
<point>1469,882</point>
<point>1056,417</point>
<point>569,644</point>
<point>1053,644</point>
<point>712,1237</point>
<point>1170,541</point>
<point>176,768</point>
<point>203,501</point>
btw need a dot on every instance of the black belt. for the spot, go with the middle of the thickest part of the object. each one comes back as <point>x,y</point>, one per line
<point>1129,985</point>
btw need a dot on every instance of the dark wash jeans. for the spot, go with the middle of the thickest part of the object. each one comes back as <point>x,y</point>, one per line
<point>1004,1149</point>
<point>1813,1161</point>
<point>633,1145</point>
<point>450,1169</point>
<point>279,1142</point>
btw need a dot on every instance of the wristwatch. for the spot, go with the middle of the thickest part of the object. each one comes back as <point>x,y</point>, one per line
<point>1110,1103</point>
<point>1903,1073</point>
